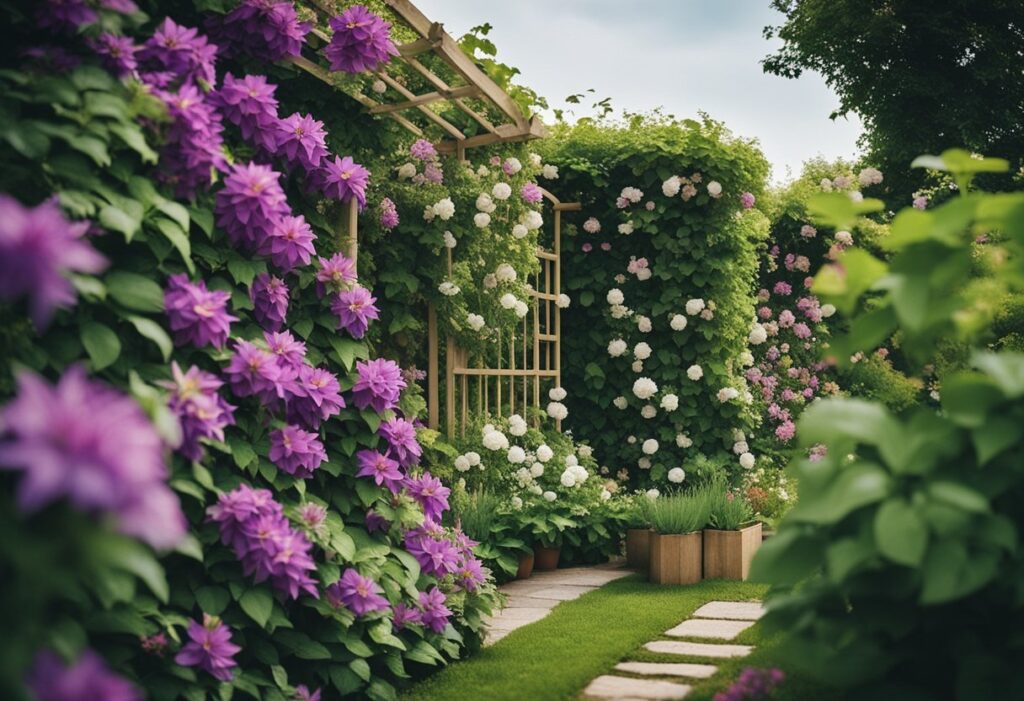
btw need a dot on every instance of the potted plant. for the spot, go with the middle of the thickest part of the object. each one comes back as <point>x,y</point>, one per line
<point>732,539</point>
<point>638,533</point>
<point>676,542</point>
<point>526,561</point>
<point>545,526</point>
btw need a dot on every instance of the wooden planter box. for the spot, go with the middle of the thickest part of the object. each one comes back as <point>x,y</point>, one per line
<point>727,554</point>
<point>675,559</point>
<point>545,559</point>
<point>638,548</point>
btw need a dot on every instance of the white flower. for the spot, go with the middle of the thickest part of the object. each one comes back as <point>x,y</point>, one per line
<point>557,410</point>
<point>557,394</point>
<point>517,503</point>
<point>379,87</point>
<point>536,489</point>
<point>513,165</point>
<point>642,351</point>
<point>643,323</point>
<point>727,394</point>
<point>648,411</point>
<point>505,273</point>
<point>670,402</point>
<point>845,238</point>
<point>683,440</point>
<point>550,496</point>
<point>740,447</point>
<point>746,358</point>
<point>631,439</point>
<point>483,171</point>
<point>758,335</point>
<point>738,434</point>
<point>544,453</point>
<point>620,312</point>
<point>484,203</point>
<point>445,209</point>
<point>827,310</point>
<point>676,475</point>
<point>617,347</point>
<point>670,188</point>
<point>694,306</point>
<point>584,451</point>
<point>615,296</point>
<point>563,301</point>
<point>406,171</point>
<point>550,172</point>
<point>678,322</point>
<point>536,469</point>
<point>592,226</point>
<point>473,457</point>
<point>855,196</point>
<point>501,191</point>
<point>626,228</point>
<point>568,479</point>
<point>715,188</point>
<point>508,301</point>
<point>519,231</point>
<point>532,219</point>
<point>449,240</point>
<point>747,461</point>
<point>644,463</point>
<point>521,309</point>
<point>517,425</point>
<point>448,289</point>
<point>490,281</point>
<point>620,402</point>
<point>462,463</point>
<point>870,176</point>
<point>826,184</point>
<point>428,213</point>
<point>495,440</point>
<point>637,366</point>
<point>535,160</point>
<point>695,372</point>
<point>653,494</point>
<point>605,495</point>
<point>649,447</point>
<point>482,220</point>
<point>632,194</point>
<point>644,388</point>
<point>643,274</point>
<point>475,321</point>
<point>516,455</point>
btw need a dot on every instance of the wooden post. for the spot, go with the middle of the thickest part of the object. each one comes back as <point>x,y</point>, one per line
<point>351,246</point>
<point>433,400</point>
<point>558,310</point>
<point>449,388</point>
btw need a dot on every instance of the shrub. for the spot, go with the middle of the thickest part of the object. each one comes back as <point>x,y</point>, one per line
<point>682,512</point>
<point>730,511</point>
<point>875,378</point>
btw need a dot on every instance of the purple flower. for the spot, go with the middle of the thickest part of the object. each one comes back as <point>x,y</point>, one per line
<point>782,288</point>
<point>336,274</point>
<point>256,372</point>
<point>314,518</point>
<point>752,685</point>
<point>86,442</point>
<point>117,53</point>
<point>193,145</point>
<point>342,179</point>
<point>155,644</point>
<point>65,16</point>
<point>747,200</point>
<point>249,104</point>
<point>355,309</point>
<point>302,692</point>
<point>126,7</point>
<point>470,574</point>
<point>402,444</point>
<point>251,204</point>
<point>920,202</point>
<point>87,679</point>
<point>266,29</point>
<point>403,615</point>
<point>785,431</point>
<point>423,150</point>
<point>297,452</point>
<point>357,593</point>
<point>802,330</point>
<point>181,52</point>
<point>428,491</point>
<point>531,193</point>
<point>46,58</point>
<point>361,41</point>
<point>289,352</point>
<point>197,315</point>
<point>435,614</point>
<point>269,296</point>
<point>315,398</point>
<point>38,249</point>
<point>381,468</point>
<point>380,385</point>
<point>388,214</point>
<point>436,556</point>
<point>201,411</point>
<point>290,243</point>
<point>376,522</point>
<point>210,648</point>
<point>301,141</point>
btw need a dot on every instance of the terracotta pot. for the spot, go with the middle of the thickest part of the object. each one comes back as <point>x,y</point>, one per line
<point>638,548</point>
<point>675,559</point>
<point>727,554</point>
<point>525,565</point>
<point>546,558</point>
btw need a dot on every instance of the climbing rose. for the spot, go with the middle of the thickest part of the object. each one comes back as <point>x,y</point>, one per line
<point>270,301</point>
<point>209,648</point>
<point>87,679</point>
<point>400,435</point>
<point>336,274</point>
<point>250,105</point>
<point>83,441</point>
<point>290,243</point>
<point>357,593</point>
<point>428,491</point>
<point>355,309</point>
<point>381,468</point>
<point>201,411</point>
<point>297,452</point>
<point>361,41</point>
<point>379,385</point>
<point>434,613</point>
<point>342,179</point>
<point>265,29</point>
<point>250,205</point>
<point>39,248</point>
<point>301,141</point>
<point>197,315</point>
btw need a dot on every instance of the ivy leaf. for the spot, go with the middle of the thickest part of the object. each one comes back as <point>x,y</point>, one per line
<point>101,343</point>
<point>257,604</point>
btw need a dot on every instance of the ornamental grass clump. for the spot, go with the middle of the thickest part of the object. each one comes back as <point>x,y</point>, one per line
<point>730,511</point>
<point>680,513</point>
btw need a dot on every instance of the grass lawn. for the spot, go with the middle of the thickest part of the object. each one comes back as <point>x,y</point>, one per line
<point>555,658</point>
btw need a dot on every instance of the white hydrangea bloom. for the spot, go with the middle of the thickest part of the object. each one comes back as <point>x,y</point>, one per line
<point>727,394</point>
<point>517,425</point>
<point>550,496</point>
<point>406,171</point>
<point>643,274</point>
<point>617,347</point>
<point>449,240</point>
<point>676,475</point>
<point>505,273</point>
<point>495,440</point>
<point>648,411</point>
<point>550,172</point>
<point>670,402</point>
<point>605,495</point>
<point>870,176</point>
<point>643,323</point>
<point>683,440</point>
<point>642,351</point>
<point>694,306</point>
<point>645,388</point>
<point>637,366</point>
<point>746,359</point>
<point>521,309</point>
<point>740,447</point>
<point>620,312</point>
<point>445,209</point>
<point>516,455</point>
<point>557,394</point>
<point>845,238</point>
<point>513,164</point>
<point>475,321</point>
<point>652,494</point>
<point>695,372</point>
<point>584,451</point>
<point>715,188</point>
<point>536,469</point>
<point>631,439</point>
<point>508,301</point>
<point>517,503</point>
<point>482,220</point>
<point>650,446</point>
<point>678,322</point>
<point>747,461</point>
<point>462,463</point>
<point>501,191</point>
<point>626,228</point>
<point>535,160</point>
<point>544,453</point>
<point>563,301</point>
<point>448,288</point>
<point>758,335</point>
<point>485,203</point>
<point>379,86</point>
<point>428,213</point>
<point>557,410</point>
<point>533,220</point>
<point>670,188</point>
<point>473,457</point>
<point>620,402</point>
<point>644,463</point>
<point>490,281</point>
<point>827,310</point>
<point>483,171</point>
<point>519,231</point>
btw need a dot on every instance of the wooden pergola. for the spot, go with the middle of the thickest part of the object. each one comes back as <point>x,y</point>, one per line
<point>514,126</point>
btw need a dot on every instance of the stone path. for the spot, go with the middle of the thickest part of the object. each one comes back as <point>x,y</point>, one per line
<point>529,600</point>
<point>663,681</point>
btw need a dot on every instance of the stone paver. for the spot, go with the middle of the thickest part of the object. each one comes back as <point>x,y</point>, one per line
<point>733,610</point>
<point>562,592</point>
<point>678,647</point>
<point>619,688</point>
<point>668,669</point>
<point>709,628</point>
<point>521,601</point>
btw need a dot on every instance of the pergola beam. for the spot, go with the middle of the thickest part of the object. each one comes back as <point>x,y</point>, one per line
<point>426,98</point>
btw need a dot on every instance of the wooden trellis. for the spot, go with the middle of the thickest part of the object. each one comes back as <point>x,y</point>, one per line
<point>525,362</point>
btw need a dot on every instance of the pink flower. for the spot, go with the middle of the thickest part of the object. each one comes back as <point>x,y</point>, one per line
<point>606,246</point>
<point>747,200</point>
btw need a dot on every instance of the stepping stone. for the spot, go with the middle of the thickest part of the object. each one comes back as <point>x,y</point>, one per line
<point>733,610</point>
<point>523,601</point>
<point>668,669</point>
<point>621,688</point>
<point>562,592</point>
<point>588,579</point>
<point>676,647</point>
<point>527,614</point>
<point>709,628</point>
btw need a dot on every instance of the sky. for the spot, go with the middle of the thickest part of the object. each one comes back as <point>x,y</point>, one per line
<point>684,56</point>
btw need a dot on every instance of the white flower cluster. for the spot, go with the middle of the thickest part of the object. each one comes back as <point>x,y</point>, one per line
<point>574,473</point>
<point>670,188</point>
<point>445,209</point>
<point>448,288</point>
<point>532,220</point>
<point>642,351</point>
<point>615,296</point>
<point>617,347</point>
<point>727,394</point>
<point>678,322</point>
<point>626,228</point>
<point>449,240</point>
<point>516,455</point>
<point>485,204</point>
<point>631,194</point>
<point>544,453</point>
<point>406,171</point>
<point>505,273</point>
<point>519,231</point>
<point>870,176</point>
<point>645,388</point>
<point>514,165</point>
<point>676,475</point>
<point>557,411</point>
<point>758,335</point>
<point>715,189</point>
<point>501,191</point>
<point>694,306</point>
<point>550,172</point>
<point>494,439</point>
<point>557,394</point>
<point>670,402</point>
<point>683,440</point>
<point>643,324</point>
<point>469,460</point>
<point>648,411</point>
<point>695,372</point>
<point>620,402</point>
<point>563,301</point>
<point>649,446</point>
<point>517,425</point>
<point>475,321</point>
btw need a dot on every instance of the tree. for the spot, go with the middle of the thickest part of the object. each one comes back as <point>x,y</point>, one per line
<point>923,76</point>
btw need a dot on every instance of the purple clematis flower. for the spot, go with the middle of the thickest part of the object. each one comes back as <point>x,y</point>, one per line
<point>178,53</point>
<point>388,214</point>
<point>400,435</point>
<point>201,411</point>
<point>361,41</point>
<point>88,678</point>
<point>355,308</point>
<point>249,104</point>
<point>266,29</point>
<point>117,53</point>
<point>428,491</point>
<point>297,452</point>
<point>193,145</point>
<point>210,648</point>
<point>269,296</point>
<point>197,315</point>
<point>336,274</point>
<point>342,179</point>
<point>256,372</point>
<point>65,16</point>
<point>290,352</point>
<point>403,615</point>
<point>315,398</point>
<point>290,243</point>
<point>359,594</point>
<point>380,385</point>
<point>381,468</point>
<point>301,141</point>
<point>434,613</point>
<point>250,205</point>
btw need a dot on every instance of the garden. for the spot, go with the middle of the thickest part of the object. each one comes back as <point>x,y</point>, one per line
<point>328,369</point>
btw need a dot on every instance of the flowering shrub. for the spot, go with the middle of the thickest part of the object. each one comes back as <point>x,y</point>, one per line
<point>212,481</point>
<point>661,268</point>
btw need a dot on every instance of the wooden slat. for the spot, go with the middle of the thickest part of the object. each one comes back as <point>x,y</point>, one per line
<point>506,134</point>
<point>433,400</point>
<point>500,372</point>
<point>431,115</point>
<point>442,86</point>
<point>426,98</point>
<point>544,255</point>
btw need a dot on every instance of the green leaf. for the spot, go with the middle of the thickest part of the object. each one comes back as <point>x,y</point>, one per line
<point>212,600</point>
<point>178,238</point>
<point>115,219</point>
<point>101,343</point>
<point>787,557</point>
<point>361,668</point>
<point>135,558</point>
<point>176,212</point>
<point>901,533</point>
<point>845,282</point>
<point>91,146</point>
<point>864,421</point>
<point>154,332</point>
<point>838,210</point>
<point>134,291</point>
<point>969,398</point>
<point>959,496</point>
<point>257,604</point>
<point>857,485</point>
<point>134,139</point>
<point>994,436</point>
<point>1006,369</point>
